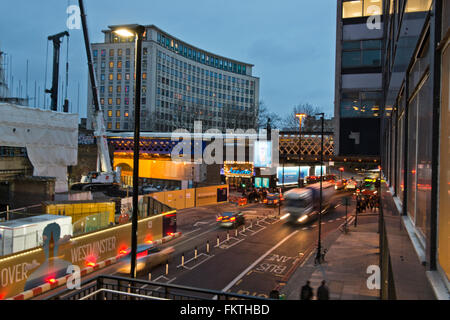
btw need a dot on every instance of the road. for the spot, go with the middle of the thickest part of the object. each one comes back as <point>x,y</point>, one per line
<point>251,260</point>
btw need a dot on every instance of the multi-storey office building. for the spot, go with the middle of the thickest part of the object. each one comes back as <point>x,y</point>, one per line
<point>415,125</point>
<point>358,87</point>
<point>180,84</point>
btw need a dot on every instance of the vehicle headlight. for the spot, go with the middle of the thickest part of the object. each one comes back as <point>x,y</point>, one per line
<point>285,216</point>
<point>302,218</point>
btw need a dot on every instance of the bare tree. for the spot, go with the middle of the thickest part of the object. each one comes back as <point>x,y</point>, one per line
<point>291,122</point>
<point>264,114</point>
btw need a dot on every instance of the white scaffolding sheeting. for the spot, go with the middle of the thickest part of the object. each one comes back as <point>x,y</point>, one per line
<point>51,139</point>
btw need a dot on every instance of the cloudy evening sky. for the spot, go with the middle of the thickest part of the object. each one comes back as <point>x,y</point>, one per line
<point>290,42</point>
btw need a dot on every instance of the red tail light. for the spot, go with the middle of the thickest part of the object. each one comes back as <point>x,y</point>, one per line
<point>232,218</point>
<point>141,254</point>
<point>50,280</point>
<point>219,218</point>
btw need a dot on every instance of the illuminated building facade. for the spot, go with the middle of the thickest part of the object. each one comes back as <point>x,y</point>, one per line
<point>180,84</point>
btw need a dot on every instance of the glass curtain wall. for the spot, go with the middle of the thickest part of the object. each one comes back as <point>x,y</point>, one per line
<point>444,161</point>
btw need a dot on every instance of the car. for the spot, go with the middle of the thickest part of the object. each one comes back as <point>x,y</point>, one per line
<point>148,256</point>
<point>351,185</point>
<point>312,179</point>
<point>231,219</point>
<point>368,187</point>
<point>340,184</point>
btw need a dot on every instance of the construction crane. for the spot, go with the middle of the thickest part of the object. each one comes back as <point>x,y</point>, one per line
<point>56,39</point>
<point>104,178</point>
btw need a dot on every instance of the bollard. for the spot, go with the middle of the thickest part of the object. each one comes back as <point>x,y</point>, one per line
<point>195,253</point>
<point>236,232</point>
<point>150,276</point>
<point>218,241</point>
<point>243,228</point>
<point>167,268</point>
<point>228,236</point>
<point>207,246</point>
<point>251,223</point>
<point>182,260</point>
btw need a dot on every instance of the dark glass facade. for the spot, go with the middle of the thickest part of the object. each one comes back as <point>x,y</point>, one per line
<point>414,142</point>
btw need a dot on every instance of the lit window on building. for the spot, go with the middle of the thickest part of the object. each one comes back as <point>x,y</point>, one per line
<point>418,5</point>
<point>360,104</point>
<point>352,9</point>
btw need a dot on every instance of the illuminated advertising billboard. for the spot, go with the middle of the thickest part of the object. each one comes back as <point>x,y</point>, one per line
<point>317,170</point>
<point>262,154</point>
<point>291,174</point>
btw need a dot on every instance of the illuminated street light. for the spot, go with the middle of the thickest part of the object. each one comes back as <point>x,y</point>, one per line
<point>300,117</point>
<point>124,33</point>
<point>138,32</point>
<point>319,244</point>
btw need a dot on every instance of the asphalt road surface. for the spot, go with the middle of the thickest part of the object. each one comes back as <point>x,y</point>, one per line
<point>251,260</point>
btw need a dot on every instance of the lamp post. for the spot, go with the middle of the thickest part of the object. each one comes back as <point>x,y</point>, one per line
<point>300,117</point>
<point>319,244</point>
<point>136,31</point>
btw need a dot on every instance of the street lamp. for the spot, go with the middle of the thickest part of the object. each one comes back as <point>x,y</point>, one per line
<point>341,169</point>
<point>136,31</point>
<point>319,244</point>
<point>300,117</point>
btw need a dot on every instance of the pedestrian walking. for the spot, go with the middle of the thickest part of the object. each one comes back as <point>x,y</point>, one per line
<point>372,203</point>
<point>322,292</point>
<point>306,292</point>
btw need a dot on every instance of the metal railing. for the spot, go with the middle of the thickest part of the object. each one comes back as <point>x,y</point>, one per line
<point>106,287</point>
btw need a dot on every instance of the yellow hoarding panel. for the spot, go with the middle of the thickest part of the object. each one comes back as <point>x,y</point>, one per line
<point>29,269</point>
<point>189,198</point>
<point>81,210</point>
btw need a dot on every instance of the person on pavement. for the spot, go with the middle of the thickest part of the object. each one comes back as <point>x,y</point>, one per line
<point>306,292</point>
<point>322,292</point>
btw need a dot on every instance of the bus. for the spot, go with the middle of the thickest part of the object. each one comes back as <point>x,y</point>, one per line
<point>302,204</point>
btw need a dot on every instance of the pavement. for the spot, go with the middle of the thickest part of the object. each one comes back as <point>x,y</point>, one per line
<point>346,263</point>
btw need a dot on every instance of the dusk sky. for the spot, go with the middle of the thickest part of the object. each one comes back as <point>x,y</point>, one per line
<point>290,42</point>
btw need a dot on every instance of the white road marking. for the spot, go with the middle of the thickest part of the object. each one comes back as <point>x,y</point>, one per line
<point>192,231</point>
<point>187,240</point>
<point>257,261</point>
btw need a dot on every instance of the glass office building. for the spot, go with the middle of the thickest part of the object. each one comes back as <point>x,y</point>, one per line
<point>415,126</point>
<point>358,85</point>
